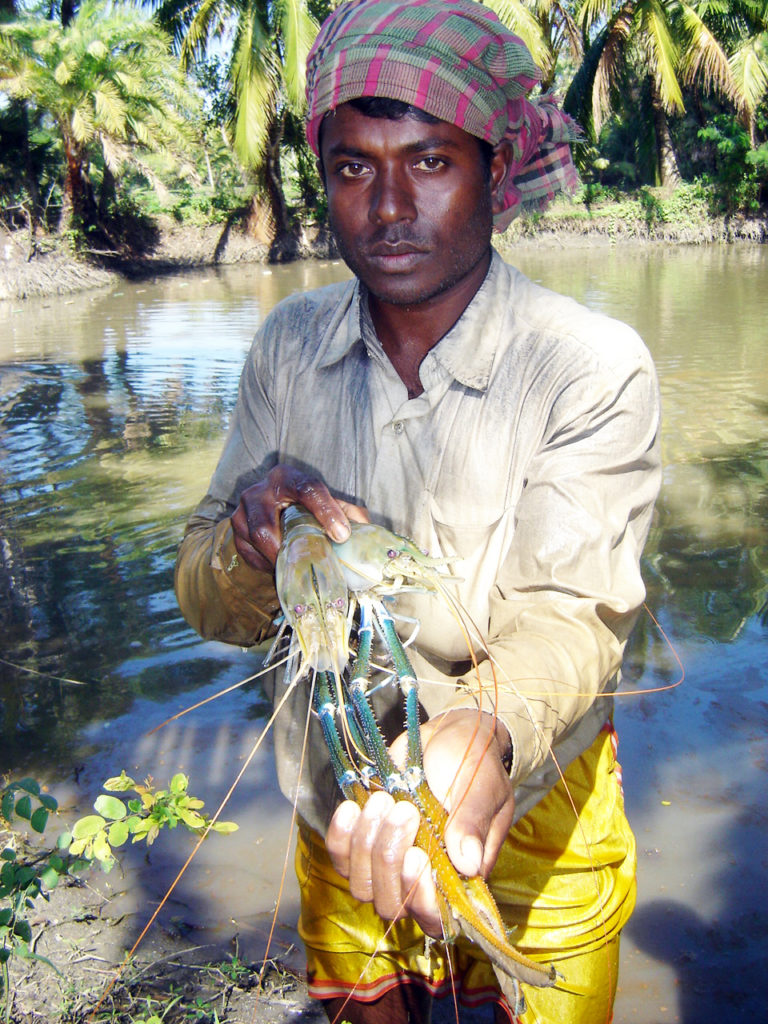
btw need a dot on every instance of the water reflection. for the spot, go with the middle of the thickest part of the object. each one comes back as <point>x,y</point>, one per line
<point>112,411</point>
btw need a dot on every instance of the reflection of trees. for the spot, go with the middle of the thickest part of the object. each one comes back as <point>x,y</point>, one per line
<point>715,576</point>
<point>100,428</point>
<point>84,583</point>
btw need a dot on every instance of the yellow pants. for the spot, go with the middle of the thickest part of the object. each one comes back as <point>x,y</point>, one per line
<point>565,886</point>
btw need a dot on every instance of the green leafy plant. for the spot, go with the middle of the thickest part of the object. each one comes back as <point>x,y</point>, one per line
<point>26,877</point>
<point>24,880</point>
<point>96,836</point>
<point>739,174</point>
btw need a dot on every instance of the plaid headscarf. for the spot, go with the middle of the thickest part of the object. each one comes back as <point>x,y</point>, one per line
<point>456,61</point>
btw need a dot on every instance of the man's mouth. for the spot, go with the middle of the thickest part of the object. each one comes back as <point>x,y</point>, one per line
<point>395,255</point>
<point>399,248</point>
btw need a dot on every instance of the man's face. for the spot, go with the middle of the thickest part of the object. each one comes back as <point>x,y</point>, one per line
<point>409,203</point>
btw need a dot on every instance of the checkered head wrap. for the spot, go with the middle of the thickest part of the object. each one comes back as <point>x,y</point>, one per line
<point>455,60</point>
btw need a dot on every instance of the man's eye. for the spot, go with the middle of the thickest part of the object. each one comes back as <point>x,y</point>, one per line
<point>352,170</point>
<point>430,163</point>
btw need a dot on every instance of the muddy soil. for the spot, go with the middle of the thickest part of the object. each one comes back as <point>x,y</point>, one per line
<point>45,266</point>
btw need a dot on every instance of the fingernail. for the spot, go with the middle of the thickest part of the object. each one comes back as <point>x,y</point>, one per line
<point>472,853</point>
<point>346,815</point>
<point>339,532</point>
<point>414,865</point>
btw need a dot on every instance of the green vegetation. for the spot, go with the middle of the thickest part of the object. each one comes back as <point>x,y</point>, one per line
<point>28,874</point>
<point>113,116</point>
<point>107,90</point>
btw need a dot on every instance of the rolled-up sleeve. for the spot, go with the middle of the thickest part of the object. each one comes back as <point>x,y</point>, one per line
<point>219,595</point>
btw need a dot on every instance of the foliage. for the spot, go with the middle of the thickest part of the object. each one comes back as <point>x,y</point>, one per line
<point>739,174</point>
<point>96,836</point>
<point>30,163</point>
<point>100,120</point>
<point>266,72</point>
<point>26,878</point>
<point>107,83</point>
<point>669,45</point>
<point>21,881</point>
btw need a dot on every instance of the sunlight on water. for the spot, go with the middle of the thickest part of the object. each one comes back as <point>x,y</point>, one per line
<point>113,407</point>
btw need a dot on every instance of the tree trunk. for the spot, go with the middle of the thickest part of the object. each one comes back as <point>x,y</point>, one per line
<point>107,194</point>
<point>78,207</point>
<point>667,171</point>
<point>285,244</point>
<point>30,180</point>
<point>69,9</point>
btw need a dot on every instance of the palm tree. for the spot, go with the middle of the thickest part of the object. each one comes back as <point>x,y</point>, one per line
<point>667,43</point>
<point>741,26</point>
<point>269,41</point>
<point>108,81</point>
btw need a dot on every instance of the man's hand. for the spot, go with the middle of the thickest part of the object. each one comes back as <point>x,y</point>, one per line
<point>373,847</point>
<point>256,521</point>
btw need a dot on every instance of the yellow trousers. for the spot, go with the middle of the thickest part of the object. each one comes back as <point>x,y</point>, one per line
<point>565,886</point>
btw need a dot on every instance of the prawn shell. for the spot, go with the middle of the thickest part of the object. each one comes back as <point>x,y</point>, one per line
<point>373,555</point>
<point>313,594</point>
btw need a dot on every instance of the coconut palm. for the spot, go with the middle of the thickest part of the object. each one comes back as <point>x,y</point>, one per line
<point>108,82</point>
<point>667,43</point>
<point>741,26</point>
<point>268,42</point>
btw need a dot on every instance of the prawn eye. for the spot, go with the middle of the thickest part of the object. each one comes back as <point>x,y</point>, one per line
<point>299,609</point>
<point>339,603</point>
<point>392,553</point>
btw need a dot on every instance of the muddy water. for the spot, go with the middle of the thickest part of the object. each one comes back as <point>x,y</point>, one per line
<point>113,405</point>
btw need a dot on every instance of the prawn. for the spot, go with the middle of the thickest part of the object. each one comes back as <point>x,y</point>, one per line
<point>376,563</point>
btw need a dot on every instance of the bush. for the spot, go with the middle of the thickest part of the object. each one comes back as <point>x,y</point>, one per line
<point>740,176</point>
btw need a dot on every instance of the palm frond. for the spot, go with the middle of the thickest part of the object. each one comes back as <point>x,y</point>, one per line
<point>662,52</point>
<point>110,109</point>
<point>595,14</point>
<point>749,67</point>
<point>206,24</point>
<point>298,29</point>
<point>82,123</point>
<point>703,61</point>
<point>578,99</point>
<point>610,64</point>
<point>255,77</point>
<point>523,22</point>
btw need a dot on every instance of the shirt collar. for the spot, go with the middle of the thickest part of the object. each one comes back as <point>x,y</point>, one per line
<point>343,332</point>
<point>466,352</point>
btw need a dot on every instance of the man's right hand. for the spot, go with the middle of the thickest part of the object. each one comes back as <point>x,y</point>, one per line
<point>256,521</point>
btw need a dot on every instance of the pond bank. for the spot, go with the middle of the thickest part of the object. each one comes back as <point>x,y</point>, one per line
<point>49,268</point>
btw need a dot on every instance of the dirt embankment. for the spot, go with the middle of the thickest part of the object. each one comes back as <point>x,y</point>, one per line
<point>46,266</point>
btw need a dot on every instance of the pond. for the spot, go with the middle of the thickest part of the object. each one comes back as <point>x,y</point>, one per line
<point>113,406</point>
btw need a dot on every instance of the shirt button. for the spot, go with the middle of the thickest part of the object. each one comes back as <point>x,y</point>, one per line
<point>398,426</point>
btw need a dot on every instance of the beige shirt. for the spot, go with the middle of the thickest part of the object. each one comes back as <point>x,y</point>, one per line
<point>530,460</point>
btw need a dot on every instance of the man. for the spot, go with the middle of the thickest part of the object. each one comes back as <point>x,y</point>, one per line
<point>448,398</point>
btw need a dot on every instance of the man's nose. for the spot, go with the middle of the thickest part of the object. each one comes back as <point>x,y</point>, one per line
<point>392,198</point>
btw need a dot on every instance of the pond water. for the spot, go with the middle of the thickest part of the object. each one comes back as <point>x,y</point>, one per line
<point>113,406</point>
